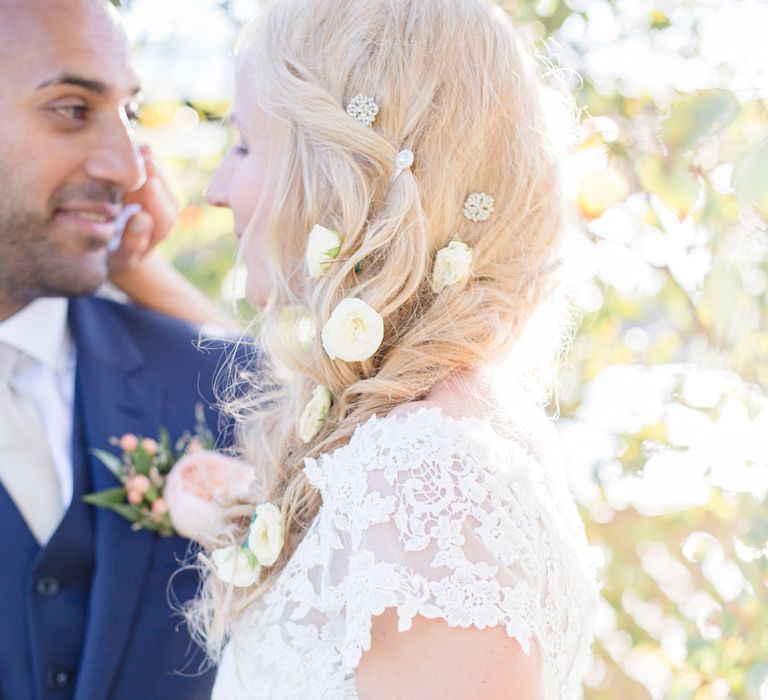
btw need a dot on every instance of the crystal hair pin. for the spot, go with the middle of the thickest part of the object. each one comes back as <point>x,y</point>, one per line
<point>363,108</point>
<point>403,161</point>
<point>478,206</point>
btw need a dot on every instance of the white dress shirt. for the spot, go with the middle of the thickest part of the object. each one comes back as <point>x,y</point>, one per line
<point>47,376</point>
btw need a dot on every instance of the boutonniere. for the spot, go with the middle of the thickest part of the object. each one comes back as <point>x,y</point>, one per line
<point>142,470</point>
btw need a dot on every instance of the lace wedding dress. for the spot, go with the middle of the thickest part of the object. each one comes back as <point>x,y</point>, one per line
<point>446,518</point>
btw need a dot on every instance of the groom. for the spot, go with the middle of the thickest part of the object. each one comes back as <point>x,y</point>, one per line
<point>83,597</point>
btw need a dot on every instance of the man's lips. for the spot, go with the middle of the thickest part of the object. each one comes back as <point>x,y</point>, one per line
<point>97,220</point>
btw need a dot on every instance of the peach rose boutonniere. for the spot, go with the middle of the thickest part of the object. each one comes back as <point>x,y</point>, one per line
<point>142,470</point>
<point>198,489</point>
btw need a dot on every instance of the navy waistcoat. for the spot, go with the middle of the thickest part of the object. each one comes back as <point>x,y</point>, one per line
<point>45,595</point>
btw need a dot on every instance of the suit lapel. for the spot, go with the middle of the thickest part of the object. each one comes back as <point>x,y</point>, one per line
<point>113,396</point>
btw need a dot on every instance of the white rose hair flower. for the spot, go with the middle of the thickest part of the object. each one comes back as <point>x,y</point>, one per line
<point>323,246</point>
<point>452,264</point>
<point>354,331</point>
<point>236,565</point>
<point>265,535</point>
<point>315,413</point>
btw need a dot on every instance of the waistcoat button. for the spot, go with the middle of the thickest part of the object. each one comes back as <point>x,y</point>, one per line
<point>48,586</point>
<point>58,677</point>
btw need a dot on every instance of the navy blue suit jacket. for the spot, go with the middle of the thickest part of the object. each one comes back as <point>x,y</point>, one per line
<point>136,371</point>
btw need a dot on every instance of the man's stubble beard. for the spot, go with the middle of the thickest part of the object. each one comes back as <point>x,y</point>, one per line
<point>34,262</point>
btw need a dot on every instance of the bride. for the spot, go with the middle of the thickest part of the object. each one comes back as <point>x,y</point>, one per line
<point>395,187</point>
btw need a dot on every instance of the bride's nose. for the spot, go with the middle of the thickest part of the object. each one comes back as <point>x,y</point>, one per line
<point>217,194</point>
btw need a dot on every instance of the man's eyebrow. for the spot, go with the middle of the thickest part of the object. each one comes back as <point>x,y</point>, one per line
<point>95,86</point>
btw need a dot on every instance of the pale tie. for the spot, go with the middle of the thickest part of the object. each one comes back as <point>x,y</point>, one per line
<point>26,467</point>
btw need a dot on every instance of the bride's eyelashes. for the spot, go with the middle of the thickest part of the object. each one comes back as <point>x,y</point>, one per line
<point>237,146</point>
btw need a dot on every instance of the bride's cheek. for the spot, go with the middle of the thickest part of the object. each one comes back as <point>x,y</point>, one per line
<point>243,195</point>
<point>257,281</point>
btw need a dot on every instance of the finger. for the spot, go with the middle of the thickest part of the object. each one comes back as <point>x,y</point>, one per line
<point>156,199</point>
<point>152,162</point>
<point>162,206</point>
<point>134,242</point>
<point>155,193</point>
<point>140,226</point>
<point>141,235</point>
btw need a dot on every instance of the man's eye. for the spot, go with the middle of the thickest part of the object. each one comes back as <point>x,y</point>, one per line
<point>132,112</point>
<point>76,112</point>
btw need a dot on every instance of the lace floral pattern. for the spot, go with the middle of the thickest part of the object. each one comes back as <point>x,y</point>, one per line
<point>433,516</point>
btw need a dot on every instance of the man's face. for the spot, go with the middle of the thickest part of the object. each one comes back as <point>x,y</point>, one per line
<point>67,155</point>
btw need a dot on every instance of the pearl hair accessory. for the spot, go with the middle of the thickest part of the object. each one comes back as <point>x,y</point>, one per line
<point>403,161</point>
<point>478,206</point>
<point>363,108</point>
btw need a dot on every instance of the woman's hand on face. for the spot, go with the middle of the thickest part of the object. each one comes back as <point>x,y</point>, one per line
<point>432,660</point>
<point>149,280</point>
<point>144,230</point>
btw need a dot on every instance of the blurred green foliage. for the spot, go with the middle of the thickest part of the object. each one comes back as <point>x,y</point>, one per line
<point>664,396</point>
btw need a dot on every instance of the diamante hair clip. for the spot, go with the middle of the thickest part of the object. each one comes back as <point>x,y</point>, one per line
<point>478,206</point>
<point>363,108</point>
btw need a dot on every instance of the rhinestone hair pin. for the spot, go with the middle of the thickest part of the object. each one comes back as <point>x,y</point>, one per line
<point>478,206</point>
<point>403,161</point>
<point>363,108</point>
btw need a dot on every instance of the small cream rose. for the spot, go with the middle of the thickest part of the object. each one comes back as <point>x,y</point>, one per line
<point>452,265</point>
<point>315,413</point>
<point>354,331</point>
<point>265,535</point>
<point>322,248</point>
<point>236,565</point>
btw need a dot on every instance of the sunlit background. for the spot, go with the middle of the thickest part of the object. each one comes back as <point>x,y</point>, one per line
<point>662,404</point>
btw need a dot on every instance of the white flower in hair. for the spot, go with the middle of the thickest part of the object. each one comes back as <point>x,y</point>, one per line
<point>323,246</point>
<point>452,264</point>
<point>478,206</point>
<point>315,413</point>
<point>236,565</point>
<point>265,535</point>
<point>354,331</point>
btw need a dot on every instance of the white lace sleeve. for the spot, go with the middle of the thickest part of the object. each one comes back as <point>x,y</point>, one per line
<point>433,518</point>
<point>429,516</point>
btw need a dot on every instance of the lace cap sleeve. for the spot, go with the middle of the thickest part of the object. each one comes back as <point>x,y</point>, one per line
<point>434,517</point>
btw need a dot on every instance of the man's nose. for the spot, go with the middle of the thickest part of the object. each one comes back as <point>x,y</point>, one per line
<point>116,159</point>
